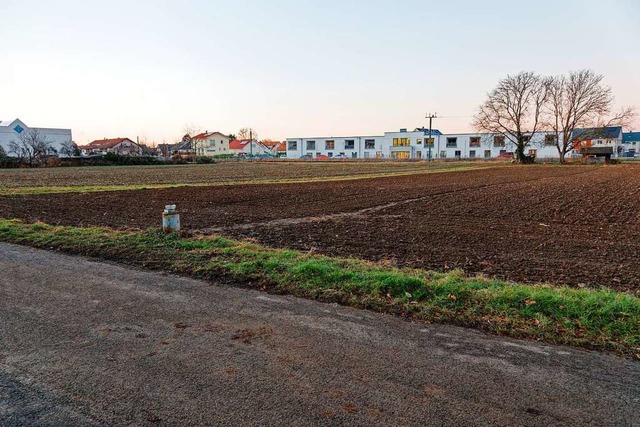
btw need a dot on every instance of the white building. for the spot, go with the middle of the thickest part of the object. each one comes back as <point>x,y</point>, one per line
<point>12,130</point>
<point>211,144</point>
<point>423,144</point>
<point>242,147</point>
<point>631,144</point>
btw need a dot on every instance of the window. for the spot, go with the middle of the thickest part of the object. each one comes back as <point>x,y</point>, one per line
<point>443,154</point>
<point>401,155</point>
<point>498,141</point>
<point>349,144</point>
<point>330,144</point>
<point>458,154</point>
<point>452,142</point>
<point>369,144</point>
<point>428,142</point>
<point>330,154</point>
<point>311,145</point>
<point>292,145</point>
<point>503,152</point>
<point>401,142</point>
<point>526,138</point>
<point>550,139</point>
<point>212,143</point>
<point>419,141</point>
<point>474,141</point>
<point>354,155</point>
<point>487,154</point>
<point>533,152</point>
<point>472,154</point>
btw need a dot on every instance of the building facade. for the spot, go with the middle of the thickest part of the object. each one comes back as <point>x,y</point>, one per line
<point>424,144</point>
<point>246,147</point>
<point>630,144</point>
<point>11,131</point>
<point>211,144</point>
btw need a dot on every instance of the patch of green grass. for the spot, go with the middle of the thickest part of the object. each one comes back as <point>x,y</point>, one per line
<point>593,318</point>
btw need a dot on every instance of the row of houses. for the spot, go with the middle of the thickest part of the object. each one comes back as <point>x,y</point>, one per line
<point>422,143</point>
<point>206,144</point>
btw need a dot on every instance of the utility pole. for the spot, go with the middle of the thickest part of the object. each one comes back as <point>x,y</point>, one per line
<point>431,117</point>
<point>251,144</point>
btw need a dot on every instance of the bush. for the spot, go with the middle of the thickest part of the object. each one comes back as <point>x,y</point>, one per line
<point>205,160</point>
<point>9,162</point>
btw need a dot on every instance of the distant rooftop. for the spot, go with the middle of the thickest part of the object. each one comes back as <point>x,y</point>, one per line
<point>630,137</point>
<point>609,132</point>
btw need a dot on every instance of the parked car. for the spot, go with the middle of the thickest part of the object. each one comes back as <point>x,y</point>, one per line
<point>506,156</point>
<point>322,157</point>
<point>306,156</point>
<point>340,156</point>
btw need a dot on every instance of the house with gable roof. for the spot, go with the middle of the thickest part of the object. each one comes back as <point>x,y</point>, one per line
<point>601,141</point>
<point>120,146</point>
<point>630,144</point>
<point>210,143</point>
<point>246,147</point>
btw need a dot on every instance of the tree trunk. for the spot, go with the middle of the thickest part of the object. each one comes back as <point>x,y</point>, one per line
<point>520,156</point>
<point>562,154</point>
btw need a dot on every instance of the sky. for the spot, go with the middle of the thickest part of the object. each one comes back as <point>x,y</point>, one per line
<point>152,69</point>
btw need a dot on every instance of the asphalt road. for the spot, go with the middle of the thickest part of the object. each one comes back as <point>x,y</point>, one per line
<point>91,343</point>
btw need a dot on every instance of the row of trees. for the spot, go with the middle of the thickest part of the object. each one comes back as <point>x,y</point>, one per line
<point>526,103</point>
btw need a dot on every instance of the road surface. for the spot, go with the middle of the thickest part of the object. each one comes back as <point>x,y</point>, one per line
<point>92,343</point>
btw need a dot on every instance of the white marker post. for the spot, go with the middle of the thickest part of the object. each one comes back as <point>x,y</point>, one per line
<point>170,219</point>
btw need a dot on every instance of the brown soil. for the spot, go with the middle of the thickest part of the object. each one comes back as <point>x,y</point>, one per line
<point>576,225</point>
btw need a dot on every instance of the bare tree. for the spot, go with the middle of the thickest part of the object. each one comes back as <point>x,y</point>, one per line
<point>31,146</point>
<point>514,110</point>
<point>580,100</point>
<point>244,133</point>
<point>69,148</point>
<point>192,129</point>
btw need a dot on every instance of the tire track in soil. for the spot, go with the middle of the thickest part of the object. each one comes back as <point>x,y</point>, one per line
<point>361,212</point>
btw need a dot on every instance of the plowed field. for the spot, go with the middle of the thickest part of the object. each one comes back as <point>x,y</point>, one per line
<point>577,224</point>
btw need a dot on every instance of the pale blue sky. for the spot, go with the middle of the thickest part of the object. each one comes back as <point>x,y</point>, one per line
<point>293,68</point>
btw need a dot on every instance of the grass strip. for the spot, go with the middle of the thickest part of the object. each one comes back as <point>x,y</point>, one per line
<point>593,318</point>
<point>35,190</point>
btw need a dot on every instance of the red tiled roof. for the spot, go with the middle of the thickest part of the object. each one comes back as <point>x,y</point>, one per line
<point>204,135</point>
<point>270,144</point>
<point>238,144</point>
<point>106,143</point>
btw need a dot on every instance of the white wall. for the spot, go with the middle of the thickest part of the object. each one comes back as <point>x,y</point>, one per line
<point>56,136</point>
<point>212,145</point>
<point>384,146</point>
